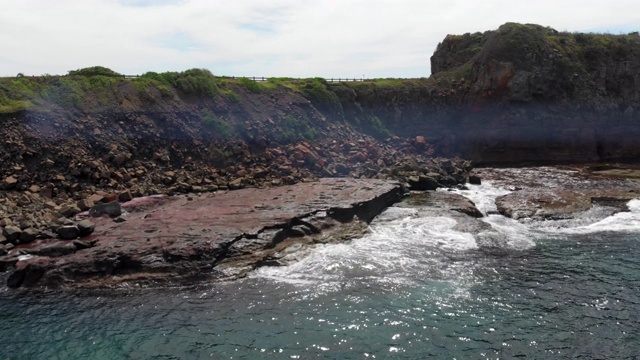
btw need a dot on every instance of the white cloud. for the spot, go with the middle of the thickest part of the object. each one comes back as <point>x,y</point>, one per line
<point>299,38</point>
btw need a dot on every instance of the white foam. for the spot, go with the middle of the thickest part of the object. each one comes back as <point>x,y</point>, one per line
<point>505,232</point>
<point>483,196</point>
<point>521,234</point>
<point>619,222</point>
<point>404,246</point>
<point>400,247</point>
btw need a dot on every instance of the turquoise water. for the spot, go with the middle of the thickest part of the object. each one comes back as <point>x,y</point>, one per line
<point>415,288</point>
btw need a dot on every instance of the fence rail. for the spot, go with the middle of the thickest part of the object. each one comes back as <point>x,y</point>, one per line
<point>262,78</point>
<point>254,78</point>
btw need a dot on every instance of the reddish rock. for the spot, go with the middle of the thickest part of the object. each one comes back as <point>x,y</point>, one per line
<point>96,198</point>
<point>125,196</point>
<point>69,210</point>
<point>84,204</point>
<point>170,239</point>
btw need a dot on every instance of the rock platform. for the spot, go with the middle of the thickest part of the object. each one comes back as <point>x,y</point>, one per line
<point>162,239</point>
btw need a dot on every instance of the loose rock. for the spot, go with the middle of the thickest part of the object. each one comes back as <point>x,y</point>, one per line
<point>85,227</point>
<point>423,182</point>
<point>68,232</point>
<point>112,209</point>
<point>9,183</point>
<point>12,233</point>
<point>28,235</point>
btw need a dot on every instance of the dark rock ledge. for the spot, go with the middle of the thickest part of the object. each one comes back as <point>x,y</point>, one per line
<point>174,240</point>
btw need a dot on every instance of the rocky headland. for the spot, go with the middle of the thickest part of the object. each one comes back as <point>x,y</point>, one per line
<point>183,176</point>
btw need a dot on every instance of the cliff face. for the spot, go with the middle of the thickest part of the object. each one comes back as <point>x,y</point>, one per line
<point>518,94</point>
<point>540,95</point>
<point>522,93</point>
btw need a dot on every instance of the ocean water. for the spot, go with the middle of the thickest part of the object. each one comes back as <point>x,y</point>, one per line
<point>416,287</point>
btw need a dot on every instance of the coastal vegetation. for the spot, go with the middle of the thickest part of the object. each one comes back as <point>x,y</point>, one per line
<point>517,63</point>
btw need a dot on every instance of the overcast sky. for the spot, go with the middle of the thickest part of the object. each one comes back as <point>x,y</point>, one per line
<point>297,38</point>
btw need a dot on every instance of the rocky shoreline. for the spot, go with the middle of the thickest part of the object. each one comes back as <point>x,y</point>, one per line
<point>180,239</point>
<point>172,240</point>
<point>54,233</point>
<point>563,192</point>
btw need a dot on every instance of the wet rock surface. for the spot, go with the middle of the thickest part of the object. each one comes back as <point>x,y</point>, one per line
<point>444,201</point>
<point>564,192</point>
<point>218,235</point>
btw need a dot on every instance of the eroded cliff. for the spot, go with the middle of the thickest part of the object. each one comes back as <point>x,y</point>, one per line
<point>518,94</point>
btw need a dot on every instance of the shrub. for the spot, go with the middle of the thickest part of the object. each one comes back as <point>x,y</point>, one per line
<point>251,85</point>
<point>317,91</point>
<point>94,71</point>
<point>199,82</point>
<point>295,129</point>
<point>220,127</point>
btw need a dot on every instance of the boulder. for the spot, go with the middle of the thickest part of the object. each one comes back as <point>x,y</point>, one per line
<point>55,249</point>
<point>85,227</point>
<point>96,198</point>
<point>475,180</point>
<point>84,244</point>
<point>542,204</point>
<point>85,204</point>
<point>444,201</point>
<point>28,235</point>
<point>12,233</point>
<point>9,183</point>
<point>342,169</point>
<point>423,182</point>
<point>68,232</point>
<point>69,210</point>
<point>125,196</point>
<point>236,184</point>
<point>113,209</point>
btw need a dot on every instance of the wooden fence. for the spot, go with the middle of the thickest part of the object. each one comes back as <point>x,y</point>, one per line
<point>262,78</point>
<point>254,78</point>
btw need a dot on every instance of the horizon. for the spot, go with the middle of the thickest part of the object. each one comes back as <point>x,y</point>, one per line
<point>284,38</point>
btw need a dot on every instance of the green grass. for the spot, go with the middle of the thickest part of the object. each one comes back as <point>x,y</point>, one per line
<point>11,106</point>
<point>251,85</point>
<point>16,93</point>
<point>75,92</point>
<point>100,86</point>
<point>296,129</point>
<point>217,126</point>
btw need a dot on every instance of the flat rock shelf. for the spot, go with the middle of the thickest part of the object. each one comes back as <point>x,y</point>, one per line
<point>180,240</point>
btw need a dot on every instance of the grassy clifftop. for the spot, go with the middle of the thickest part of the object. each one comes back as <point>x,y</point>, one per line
<point>520,62</point>
<point>519,86</point>
<point>528,61</point>
<point>99,87</point>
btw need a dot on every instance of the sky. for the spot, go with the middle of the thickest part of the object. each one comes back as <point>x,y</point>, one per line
<point>293,38</point>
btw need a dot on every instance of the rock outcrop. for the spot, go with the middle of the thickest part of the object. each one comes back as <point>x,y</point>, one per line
<point>518,94</point>
<point>222,235</point>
